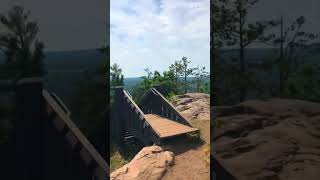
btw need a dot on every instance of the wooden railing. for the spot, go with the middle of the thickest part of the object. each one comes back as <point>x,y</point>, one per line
<point>136,120</point>
<point>95,164</point>
<point>154,102</point>
<point>129,117</point>
<point>48,143</point>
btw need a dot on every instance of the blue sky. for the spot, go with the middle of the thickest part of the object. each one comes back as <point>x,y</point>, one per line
<point>155,33</point>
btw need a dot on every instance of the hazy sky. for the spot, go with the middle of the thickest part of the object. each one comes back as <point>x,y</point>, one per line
<point>155,33</point>
<point>67,24</point>
<point>290,10</point>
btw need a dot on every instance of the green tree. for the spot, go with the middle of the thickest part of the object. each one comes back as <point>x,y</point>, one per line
<point>177,69</point>
<point>116,75</point>
<point>186,72</point>
<point>243,33</point>
<point>201,79</point>
<point>220,23</point>
<point>288,42</point>
<point>19,42</point>
<point>90,106</point>
<point>166,81</point>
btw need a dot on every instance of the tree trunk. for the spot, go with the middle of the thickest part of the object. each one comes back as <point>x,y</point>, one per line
<point>243,89</point>
<point>177,87</point>
<point>185,79</point>
<point>281,77</point>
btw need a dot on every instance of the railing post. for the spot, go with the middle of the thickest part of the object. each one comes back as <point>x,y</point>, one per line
<point>30,130</point>
<point>117,119</point>
<point>157,105</point>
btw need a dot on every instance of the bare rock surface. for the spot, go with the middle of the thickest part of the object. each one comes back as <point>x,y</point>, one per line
<point>149,164</point>
<point>276,139</point>
<point>193,105</point>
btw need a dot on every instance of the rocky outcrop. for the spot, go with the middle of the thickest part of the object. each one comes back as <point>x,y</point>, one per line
<point>193,105</point>
<point>149,164</point>
<point>276,139</point>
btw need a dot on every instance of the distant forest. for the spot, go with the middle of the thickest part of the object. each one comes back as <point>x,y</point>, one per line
<point>287,68</point>
<point>179,78</point>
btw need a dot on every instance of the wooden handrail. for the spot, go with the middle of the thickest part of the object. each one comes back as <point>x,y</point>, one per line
<point>138,111</point>
<point>127,96</point>
<point>164,100</point>
<point>88,152</point>
<point>145,96</point>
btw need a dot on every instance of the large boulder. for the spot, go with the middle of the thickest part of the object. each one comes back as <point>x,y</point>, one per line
<point>273,139</point>
<point>150,163</point>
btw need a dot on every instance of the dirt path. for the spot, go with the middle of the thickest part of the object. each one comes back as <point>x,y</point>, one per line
<point>191,156</point>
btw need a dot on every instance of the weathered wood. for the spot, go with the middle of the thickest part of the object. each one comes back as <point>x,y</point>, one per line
<point>48,144</point>
<point>138,127</point>
<point>172,108</point>
<point>87,152</point>
<point>135,122</point>
<point>166,128</point>
<point>155,103</point>
<point>30,130</point>
<point>117,119</point>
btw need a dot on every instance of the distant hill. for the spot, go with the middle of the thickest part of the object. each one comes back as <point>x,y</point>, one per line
<point>131,82</point>
<point>311,54</point>
<point>67,67</point>
<point>73,60</point>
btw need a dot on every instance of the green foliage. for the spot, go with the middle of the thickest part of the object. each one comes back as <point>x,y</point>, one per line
<point>116,75</point>
<point>89,106</point>
<point>233,29</point>
<point>171,96</point>
<point>117,160</point>
<point>23,50</point>
<point>304,85</point>
<point>194,137</point>
<point>201,81</point>
<point>186,72</point>
<point>166,81</point>
<point>236,78</point>
<point>170,80</point>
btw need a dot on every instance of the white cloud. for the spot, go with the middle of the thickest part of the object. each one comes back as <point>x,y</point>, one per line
<point>155,33</point>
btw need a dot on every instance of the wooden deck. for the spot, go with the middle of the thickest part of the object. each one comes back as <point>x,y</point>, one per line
<point>167,128</point>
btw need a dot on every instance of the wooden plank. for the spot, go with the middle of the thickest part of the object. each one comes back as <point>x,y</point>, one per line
<point>167,128</point>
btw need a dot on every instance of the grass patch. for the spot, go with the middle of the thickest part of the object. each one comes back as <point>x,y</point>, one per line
<point>117,160</point>
<point>171,97</point>
<point>194,137</point>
